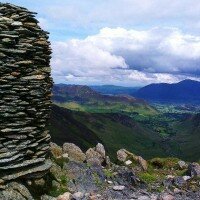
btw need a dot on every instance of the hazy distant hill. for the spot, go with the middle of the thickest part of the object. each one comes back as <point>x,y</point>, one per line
<point>184,91</point>
<point>85,93</point>
<point>83,98</point>
<point>113,89</point>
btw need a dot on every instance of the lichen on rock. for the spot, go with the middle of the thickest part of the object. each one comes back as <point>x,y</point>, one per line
<point>25,92</point>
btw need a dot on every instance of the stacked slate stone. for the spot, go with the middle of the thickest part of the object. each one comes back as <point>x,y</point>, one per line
<point>25,92</point>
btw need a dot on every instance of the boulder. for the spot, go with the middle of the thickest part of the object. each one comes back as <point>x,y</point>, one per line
<point>186,178</point>
<point>47,197</point>
<point>101,150</point>
<point>182,164</point>
<point>166,196</point>
<point>144,197</point>
<point>142,162</point>
<point>93,157</point>
<point>193,170</point>
<point>65,155</point>
<point>128,162</point>
<point>108,162</point>
<point>84,178</point>
<point>57,172</point>
<point>16,191</point>
<point>39,182</point>
<point>122,155</point>
<point>179,181</point>
<point>74,152</point>
<point>118,187</point>
<point>78,195</point>
<point>65,196</point>
<point>56,150</point>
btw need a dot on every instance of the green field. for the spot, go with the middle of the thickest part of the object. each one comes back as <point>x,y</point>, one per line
<point>109,107</point>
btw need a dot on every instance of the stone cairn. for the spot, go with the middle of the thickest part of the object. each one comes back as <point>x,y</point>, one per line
<point>25,93</point>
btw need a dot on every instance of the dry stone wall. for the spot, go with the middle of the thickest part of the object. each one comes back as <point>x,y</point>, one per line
<point>25,92</point>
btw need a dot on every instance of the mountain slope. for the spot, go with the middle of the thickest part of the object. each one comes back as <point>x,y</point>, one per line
<point>85,93</point>
<point>187,137</point>
<point>65,128</point>
<point>83,98</point>
<point>115,131</point>
<point>184,91</point>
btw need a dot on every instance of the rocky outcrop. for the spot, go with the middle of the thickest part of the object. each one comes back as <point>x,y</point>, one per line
<point>74,152</point>
<point>128,158</point>
<point>25,91</point>
<point>129,179</point>
<point>83,180</point>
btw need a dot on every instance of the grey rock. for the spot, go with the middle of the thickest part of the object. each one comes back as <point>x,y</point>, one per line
<point>101,150</point>
<point>47,197</point>
<point>144,198</point>
<point>193,170</point>
<point>74,152</point>
<point>85,179</point>
<point>16,23</point>
<point>121,155</point>
<point>78,195</point>
<point>16,191</point>
<point>94,157</point>
<point>118,187</point>
<point>179,181</point>
<point>182,164</point>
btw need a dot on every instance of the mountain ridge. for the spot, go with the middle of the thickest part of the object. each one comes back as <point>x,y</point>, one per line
<point>84,98</point>
<point>183,91</point>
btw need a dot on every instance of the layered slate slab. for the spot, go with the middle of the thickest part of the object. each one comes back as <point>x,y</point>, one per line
<point>25,92</point>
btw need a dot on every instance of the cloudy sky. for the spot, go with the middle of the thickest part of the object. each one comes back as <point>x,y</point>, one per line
<point>121,42</point>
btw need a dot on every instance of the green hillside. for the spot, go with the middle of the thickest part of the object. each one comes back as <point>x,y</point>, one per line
<point>85,117</point>
<point>115,131</point>
<point>83,98</point>
<point>188,138</point>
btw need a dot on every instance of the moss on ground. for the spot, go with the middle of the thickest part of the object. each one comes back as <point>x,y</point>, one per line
<point>165,163</point>
<point>108,173</point>
<point>147,177</point>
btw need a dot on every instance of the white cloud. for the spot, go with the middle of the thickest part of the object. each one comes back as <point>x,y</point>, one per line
<point>128,57</point>
<point>80,58</point>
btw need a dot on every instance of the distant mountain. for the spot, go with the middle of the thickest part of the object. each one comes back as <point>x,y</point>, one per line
<point>62,93</point>
<point>114,130</point>
<point>84,98</point>
<point>115,90</point>
<point>85,93</point>
<point>184,91</point>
